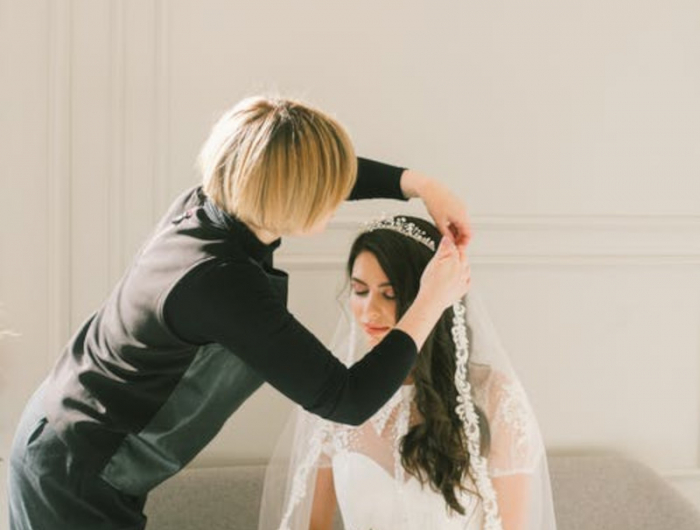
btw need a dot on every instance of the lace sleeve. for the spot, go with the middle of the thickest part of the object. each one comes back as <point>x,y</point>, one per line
<point>516,446</point>
<point>328,444</point>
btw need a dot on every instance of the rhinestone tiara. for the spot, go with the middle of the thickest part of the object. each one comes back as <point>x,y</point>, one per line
<point>402,226</point>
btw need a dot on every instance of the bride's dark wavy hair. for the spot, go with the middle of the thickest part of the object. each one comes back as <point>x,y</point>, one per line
<point>434,450</point>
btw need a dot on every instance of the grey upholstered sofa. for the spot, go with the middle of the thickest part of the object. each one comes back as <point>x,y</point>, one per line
<point>601,492</point>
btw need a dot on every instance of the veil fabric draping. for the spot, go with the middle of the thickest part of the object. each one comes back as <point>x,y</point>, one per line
<point>373,490</point>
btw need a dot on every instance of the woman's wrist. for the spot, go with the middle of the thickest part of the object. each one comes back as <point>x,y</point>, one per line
<point>413,183</point>
<point>420,319</point>
<point>428,304</point>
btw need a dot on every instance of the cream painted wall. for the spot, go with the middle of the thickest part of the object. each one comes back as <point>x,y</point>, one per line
<point>572,130</point>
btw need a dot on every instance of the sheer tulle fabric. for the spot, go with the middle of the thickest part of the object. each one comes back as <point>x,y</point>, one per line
<point>372,488</point>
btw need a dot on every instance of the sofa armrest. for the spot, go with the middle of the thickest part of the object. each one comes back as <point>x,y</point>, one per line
<point>610,492</point>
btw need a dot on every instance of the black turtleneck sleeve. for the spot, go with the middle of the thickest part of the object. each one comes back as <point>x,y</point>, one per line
<point>233,303</point>
<point>376,180</point>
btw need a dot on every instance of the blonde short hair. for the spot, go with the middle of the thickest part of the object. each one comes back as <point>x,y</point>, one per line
<point>277,164</point>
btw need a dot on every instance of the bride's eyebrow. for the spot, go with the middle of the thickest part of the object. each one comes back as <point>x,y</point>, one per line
<point>385,284</point>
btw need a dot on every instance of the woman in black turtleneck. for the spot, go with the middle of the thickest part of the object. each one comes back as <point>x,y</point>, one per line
<point>199,322</point>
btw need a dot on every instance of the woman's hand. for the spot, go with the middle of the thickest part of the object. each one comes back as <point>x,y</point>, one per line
<point>445,280</point>
<point>447,277</point>
<point>446,209</point>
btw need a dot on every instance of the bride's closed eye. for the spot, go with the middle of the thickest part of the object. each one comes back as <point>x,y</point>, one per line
<point>360,289</point>
<point>365,292</point>
<point>388,296</point>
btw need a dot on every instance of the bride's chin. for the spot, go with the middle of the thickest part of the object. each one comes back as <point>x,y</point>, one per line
<point>373,340</point>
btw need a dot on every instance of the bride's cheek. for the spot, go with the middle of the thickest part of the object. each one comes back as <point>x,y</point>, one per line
<point>355,309</point>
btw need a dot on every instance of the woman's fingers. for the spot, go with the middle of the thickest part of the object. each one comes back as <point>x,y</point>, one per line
<point>446,247</point>
<point>460,231</point>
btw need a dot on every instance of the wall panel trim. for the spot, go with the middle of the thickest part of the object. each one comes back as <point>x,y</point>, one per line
<point>162,110</point>
<point>117,147</point>
<point>59,166</point>
<point>540,241</point>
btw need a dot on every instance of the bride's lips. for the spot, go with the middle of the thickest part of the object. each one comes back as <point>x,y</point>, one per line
<point>375,330</point>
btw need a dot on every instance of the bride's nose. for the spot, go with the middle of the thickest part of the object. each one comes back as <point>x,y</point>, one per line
<point>372,308</point>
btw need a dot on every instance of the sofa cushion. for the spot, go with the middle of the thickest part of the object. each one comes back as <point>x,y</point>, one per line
<point>590,493</point>
<point>225,498</point>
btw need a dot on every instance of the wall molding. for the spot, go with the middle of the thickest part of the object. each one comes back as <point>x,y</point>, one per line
<point>540,241</point>
<point>320,262</point>
<point>59,166</point>
<point>161,173</point>
<point>117,140</point>
<point>345,218</point>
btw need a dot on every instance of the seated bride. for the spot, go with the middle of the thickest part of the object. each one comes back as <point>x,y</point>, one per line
<point>457,447</point>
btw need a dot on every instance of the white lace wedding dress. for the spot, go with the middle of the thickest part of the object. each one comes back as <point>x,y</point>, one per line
<point>375,492</point>
<point>372,488</point>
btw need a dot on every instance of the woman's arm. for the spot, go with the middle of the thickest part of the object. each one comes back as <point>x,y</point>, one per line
<point>325,501</point>
<point>234,304</point>
<point>446,209</point>
<point>515,451</point>
<point>376,180</point>
<point>513,494</point>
